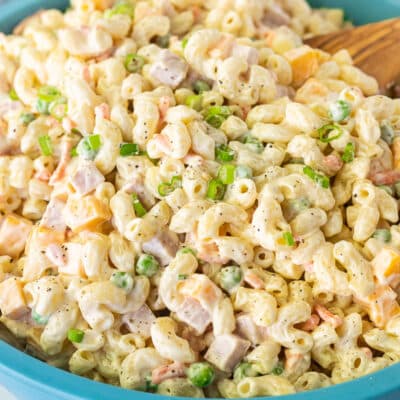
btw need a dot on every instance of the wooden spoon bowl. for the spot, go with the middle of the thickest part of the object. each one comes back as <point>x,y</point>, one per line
<point>375,49</point>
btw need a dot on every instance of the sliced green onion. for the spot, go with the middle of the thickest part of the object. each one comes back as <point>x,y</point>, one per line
<point>89,146</point>
<point>339,111</point>
<point>122,7</point>
<point>13,95</point>
<point>224,153</point>
<point>147,265</point>
<point>194,101</point>
<point>387,189</point>
<point>383,235</point>
<point>387,133</point>
<point>39,319</point>
<point>329,132</point>
<point>74,152</point>
<point>243,171</point>
<point>397,189</point>
<point>182,277</point>
<point>162,41</point>
<point>253,144</point>
<point>45,145</point>
<point>201,374</point>
<point>129,149</point>
<point>348,153</point>
<point>243,370</point>
<point>230,277</point>
<point>278,369</point>
<point>122,280</point>
<point>184,42</point>
<point>140,211</point>
<point>165,189</point>
<point>187,250</point>
<point>226,174</point>
<point>200,86</point>
<point>216,115</point>
<point>216,190</point>
<point>27,118</point>
<point>48,93</point>
<point>321,179</point>
<point>150,386</point>
<point>42,107</point>
<point>134,62</point>
<point>288,238</point>
<point>58,108</point>
<point>75,335</point>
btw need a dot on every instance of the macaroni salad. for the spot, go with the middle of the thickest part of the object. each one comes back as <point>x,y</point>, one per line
<point>195,203</point>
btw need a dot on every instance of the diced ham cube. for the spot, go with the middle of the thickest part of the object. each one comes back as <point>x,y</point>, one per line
<point>53,216</point>
<point>169,69</point>
<point>193,314</point>
<point>250,54</point>
<point>59,172</point>
<point>139,322</point>
<point>246,328</point>
<point>12,299</point>
<point>86,178</point>
<point>67,258</point>
<point>163,246</point>
<point>14,232</point>
<point>226,351</point>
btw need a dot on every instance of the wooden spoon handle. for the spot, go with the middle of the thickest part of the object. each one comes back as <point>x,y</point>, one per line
<point>375,48</point>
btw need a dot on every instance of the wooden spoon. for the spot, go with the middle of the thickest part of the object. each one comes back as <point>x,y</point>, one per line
<point>375,49</point>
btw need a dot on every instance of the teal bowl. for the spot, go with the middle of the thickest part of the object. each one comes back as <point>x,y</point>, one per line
<point>31,379</point>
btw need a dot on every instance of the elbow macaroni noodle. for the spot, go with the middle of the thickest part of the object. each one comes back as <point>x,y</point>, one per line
<point>183,181</point>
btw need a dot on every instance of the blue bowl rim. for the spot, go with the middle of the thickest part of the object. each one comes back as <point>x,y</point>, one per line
<point>33,373</point>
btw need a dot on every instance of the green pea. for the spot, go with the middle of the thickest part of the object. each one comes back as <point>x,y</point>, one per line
<point>201,374</point>
<point>147,265</point>
<point>229,277</point>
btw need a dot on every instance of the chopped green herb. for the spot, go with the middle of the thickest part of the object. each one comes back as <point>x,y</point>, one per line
<point>321,179</point>
<point>165,189</point>
<point>348,153</point>
<point>89,146</point>
<point>224,153</point>
<point>194,101</point>
<point>75,335</point>
<point>45,145</point>
<point>288,238</point>
<point>134,62</point>
<point>13,95</point>
<point>182,277</point>
<point>184,42</point>
<point>129,149</point>
<point>140,211</point>
<point>340,110</point>
<point>329,132</point>
<point>226,174</point>
<point>216,190</point>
